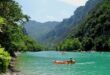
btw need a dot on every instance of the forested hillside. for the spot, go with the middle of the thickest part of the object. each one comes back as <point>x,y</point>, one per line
<point>93,33</point>
<point>61,31</point>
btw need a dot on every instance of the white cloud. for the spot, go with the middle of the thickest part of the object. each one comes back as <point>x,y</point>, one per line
<point>74,2</point>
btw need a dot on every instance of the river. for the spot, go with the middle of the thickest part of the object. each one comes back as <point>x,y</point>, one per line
<point>41,63</point>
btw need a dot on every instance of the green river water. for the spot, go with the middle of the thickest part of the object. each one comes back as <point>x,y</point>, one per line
<point>41,63</point>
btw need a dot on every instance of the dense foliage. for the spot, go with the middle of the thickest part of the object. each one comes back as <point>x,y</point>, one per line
<point>4,60</point>
<point>12,35</point>
<point>94,32</point>
<point>70,44</point>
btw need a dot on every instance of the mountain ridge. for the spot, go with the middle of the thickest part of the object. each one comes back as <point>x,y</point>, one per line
<point>36,29</point>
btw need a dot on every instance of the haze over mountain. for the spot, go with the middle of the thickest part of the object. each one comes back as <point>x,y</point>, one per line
<point>36,29</point>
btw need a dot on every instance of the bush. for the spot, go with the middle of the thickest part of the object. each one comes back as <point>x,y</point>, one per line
<point>4,59</point>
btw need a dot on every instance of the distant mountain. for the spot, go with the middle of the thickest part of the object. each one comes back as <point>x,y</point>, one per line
<point>36,29</point>
<point>62,29</point>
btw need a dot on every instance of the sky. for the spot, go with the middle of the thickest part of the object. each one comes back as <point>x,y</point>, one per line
<point>50,10</point>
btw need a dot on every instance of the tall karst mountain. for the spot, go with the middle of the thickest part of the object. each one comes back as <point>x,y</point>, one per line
<point>63,28</point>
<point>93,33</point>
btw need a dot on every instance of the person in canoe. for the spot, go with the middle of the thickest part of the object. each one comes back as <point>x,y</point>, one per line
<point>70,60</point>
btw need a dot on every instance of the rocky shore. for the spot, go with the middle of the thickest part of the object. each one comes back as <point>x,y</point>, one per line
<point>11,73</point>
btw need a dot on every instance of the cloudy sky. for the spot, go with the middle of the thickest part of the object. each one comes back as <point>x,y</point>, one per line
<point>50,10</point>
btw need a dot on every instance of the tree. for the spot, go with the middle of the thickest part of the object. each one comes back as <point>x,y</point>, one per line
<point>11,11</point>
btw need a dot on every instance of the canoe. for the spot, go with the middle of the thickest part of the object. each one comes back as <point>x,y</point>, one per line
<point>64,62</point>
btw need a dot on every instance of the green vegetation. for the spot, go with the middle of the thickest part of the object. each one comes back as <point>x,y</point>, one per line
<point>70,44</point>
<point>4,60</point>
<point>12,35</point>
<point>93,33</point>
